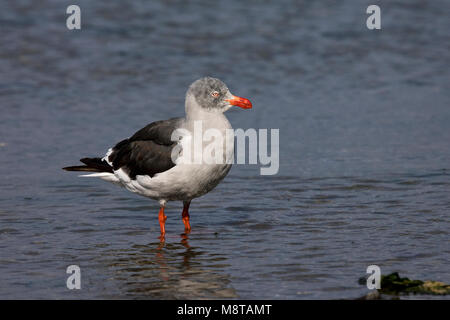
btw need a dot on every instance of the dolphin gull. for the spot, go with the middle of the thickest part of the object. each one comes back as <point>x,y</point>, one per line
<point>144,163</point>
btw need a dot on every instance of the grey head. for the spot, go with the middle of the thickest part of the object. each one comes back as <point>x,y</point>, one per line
<point>213,95</point>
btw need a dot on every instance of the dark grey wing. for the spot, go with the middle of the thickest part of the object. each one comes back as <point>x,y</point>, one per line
<point>148,151</point>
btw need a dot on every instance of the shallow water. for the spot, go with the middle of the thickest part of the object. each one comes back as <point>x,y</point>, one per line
<point>364,124</point>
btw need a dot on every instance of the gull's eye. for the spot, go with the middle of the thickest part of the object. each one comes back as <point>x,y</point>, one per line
<point>215,94</point>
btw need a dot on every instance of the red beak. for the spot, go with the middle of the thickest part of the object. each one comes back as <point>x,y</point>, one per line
<point>240,102</point>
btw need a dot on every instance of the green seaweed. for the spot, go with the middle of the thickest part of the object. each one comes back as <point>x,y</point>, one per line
<point>394,284</point>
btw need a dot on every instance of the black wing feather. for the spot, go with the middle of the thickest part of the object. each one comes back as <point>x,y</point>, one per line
<point>148,151</point>
<point>91,165</point>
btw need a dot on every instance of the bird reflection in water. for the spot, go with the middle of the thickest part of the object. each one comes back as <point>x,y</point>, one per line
<point>170,270</point>
<point>184,239</point>
<point>160,255</point>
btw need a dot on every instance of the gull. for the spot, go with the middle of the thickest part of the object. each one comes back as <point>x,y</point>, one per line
<point>149,162</point>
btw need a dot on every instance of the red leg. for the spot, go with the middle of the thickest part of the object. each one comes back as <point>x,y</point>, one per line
<point>185,216</point>
<point>162,222</point>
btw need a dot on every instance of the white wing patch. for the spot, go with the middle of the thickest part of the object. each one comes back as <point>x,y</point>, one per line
<point>105,158</point>
<point>106,176</point>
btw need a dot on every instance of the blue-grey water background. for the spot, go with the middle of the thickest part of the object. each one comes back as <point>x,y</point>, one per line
<point>364,119</point>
